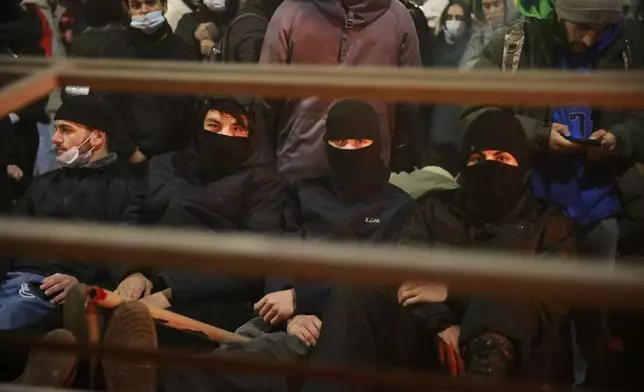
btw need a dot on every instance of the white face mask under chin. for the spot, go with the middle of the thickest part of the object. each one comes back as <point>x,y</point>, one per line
<point>73,157</point>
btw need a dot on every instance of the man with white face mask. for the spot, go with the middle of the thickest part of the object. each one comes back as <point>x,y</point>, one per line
<point>90,186</point>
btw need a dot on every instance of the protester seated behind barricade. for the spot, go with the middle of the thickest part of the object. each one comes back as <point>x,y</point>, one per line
<point>90,186</point>
<point>354,202</point>
<point>424,324</point>
<point>209,186</point>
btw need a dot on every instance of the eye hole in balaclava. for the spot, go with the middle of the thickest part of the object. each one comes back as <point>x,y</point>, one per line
<point>223,136</point>
<point>353,145</point>
<point>497,157</point>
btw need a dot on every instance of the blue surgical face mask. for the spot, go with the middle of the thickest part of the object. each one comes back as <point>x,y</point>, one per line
<point>148,23</point>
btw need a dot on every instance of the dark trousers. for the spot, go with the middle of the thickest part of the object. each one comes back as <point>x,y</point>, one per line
<point>368,329</point>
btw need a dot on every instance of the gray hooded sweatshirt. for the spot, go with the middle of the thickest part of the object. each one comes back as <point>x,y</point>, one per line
<point>326,32</point>
<point>484,34</point>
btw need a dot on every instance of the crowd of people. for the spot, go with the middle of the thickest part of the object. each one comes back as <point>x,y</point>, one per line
<point>551,181</point>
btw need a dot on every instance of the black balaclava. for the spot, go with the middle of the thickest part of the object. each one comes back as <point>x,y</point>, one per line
<point>355,174</point>
<point>489,189</point>
<point>220,155</point>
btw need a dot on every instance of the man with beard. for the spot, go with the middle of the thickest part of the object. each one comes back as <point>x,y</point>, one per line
<point>492,210</point>
<point>579,35</point>
<point>209,187</point>
<point>91,186</point>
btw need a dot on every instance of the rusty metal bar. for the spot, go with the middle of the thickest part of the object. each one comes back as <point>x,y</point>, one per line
<point>22,92</point>
<point>581,282</point>
<point>529,88</point>
<point>405,380</point>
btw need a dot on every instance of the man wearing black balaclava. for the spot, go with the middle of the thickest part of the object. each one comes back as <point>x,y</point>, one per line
<point>355,202</point>
<point>479,336</point>
<point>208,187</point>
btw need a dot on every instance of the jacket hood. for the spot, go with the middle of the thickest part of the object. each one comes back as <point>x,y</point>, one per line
<point>511,11</point>
<point>353,12</point>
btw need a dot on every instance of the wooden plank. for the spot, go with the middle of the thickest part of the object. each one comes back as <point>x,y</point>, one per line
<point>503,275</point>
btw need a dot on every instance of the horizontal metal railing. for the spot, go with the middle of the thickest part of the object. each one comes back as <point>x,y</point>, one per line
<point>528,88</point>
<point>499,274</point>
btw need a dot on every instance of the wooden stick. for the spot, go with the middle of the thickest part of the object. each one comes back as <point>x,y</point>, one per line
<point>108,299</point>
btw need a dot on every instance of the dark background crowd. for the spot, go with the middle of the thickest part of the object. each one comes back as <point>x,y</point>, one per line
<point>564,181</point>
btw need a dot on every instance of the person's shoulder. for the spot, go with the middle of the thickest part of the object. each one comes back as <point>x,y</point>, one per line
<point>436,197</point>
<point>47,177</point>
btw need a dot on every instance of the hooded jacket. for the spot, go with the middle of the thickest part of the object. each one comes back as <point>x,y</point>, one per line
<point>321,32</point>
<point>251,199</point>
<point>105,191</point>
<point>532,228</point>
<point>583,200</point>
<point>485,33</point>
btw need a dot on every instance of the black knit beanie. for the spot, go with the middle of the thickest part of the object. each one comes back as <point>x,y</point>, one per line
<point>90,112</point>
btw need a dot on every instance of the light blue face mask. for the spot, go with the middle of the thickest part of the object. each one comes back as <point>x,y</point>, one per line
<point>148,23</point>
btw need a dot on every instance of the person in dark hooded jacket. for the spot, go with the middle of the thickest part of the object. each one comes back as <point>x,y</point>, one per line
<point>91,186</point>
<point>209,187</point>
<point>492,210</point>
<point>154,124</point>
<point>354,203</point>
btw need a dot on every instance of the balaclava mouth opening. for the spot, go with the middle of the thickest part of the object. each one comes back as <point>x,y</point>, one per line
<point>359,173</point>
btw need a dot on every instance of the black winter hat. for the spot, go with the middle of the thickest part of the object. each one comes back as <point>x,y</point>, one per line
<point>352,119</point>
<point>91,112</point>
<point>496,130</point>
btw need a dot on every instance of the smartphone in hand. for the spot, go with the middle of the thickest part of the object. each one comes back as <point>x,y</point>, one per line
<point>586,142</point>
